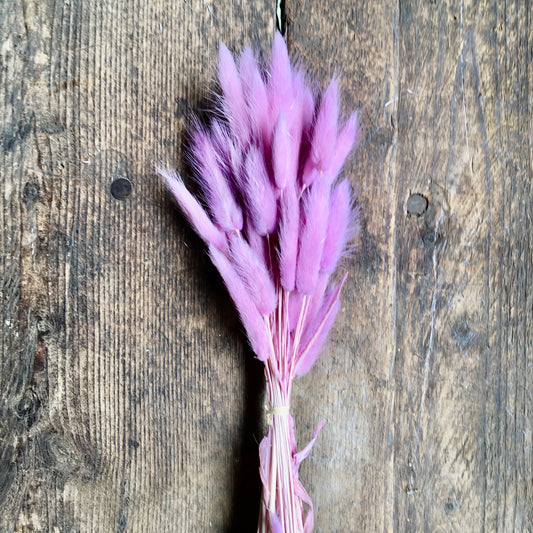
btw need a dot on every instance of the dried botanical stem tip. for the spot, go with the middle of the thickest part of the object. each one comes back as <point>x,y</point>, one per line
<point>276,225</point>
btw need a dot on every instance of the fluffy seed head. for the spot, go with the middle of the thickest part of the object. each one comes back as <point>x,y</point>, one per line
<point>339,222</point>
<point>250,316</point>
<point>258,193</point>
<point>312,236</point>
<point>192,209</point>
<point>276,223</point>
<point>233,103</point>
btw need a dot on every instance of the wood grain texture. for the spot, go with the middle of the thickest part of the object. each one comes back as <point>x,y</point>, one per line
<point>427,389</point>
<point>128,398</point>
<point>122,377</point>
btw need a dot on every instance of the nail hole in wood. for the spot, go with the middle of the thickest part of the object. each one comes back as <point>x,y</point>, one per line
<point>121,188</point>
<point>417,204</point>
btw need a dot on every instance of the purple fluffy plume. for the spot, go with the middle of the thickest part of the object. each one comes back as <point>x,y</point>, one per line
<point>233,103</point>
<point>306,100</point>
<point>324,136</point>
<point>251,317</point>
<point>258,193</point>
<point>281,153</point>
<point>257,243</point>
<point>337,233</point>
<point>276,224</point>
<point>227,151</point>
<point>252,270</point>
<point>222,203</point>
<point>248,70</point>
<point>312,236</point>
<point>256,96</point>
<point>193,210</point>
<point>346,140</point>
<point>289,229</point>
<point>280,85</point>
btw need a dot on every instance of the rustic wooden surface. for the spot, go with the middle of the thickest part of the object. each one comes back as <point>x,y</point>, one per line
<point>128,399</point>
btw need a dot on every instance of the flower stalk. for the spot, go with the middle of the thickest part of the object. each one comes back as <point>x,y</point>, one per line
<point>277,222</point>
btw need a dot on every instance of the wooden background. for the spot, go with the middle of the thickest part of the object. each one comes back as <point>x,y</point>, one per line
<point>129,400</point>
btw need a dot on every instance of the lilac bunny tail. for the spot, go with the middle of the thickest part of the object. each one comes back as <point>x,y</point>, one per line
<point>324,136</point>
<point>254,274</point>
<point>251,318</point>
<point>255,94</point>
<point>192,209</point>
<point>347,139</point>
<point>288,237</point>
<point>282,153</point>
<point>312,237</point>
<point>222,204</point>
<point>233,103</point>
<point>258,193</point>
<point>280,85</point>
<point>338,228</point>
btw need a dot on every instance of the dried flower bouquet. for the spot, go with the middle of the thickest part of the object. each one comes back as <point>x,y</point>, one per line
<point>276,221</point>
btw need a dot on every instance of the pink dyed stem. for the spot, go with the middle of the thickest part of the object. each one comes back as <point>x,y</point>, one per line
<point>280,503</point>
<point>282,507</point>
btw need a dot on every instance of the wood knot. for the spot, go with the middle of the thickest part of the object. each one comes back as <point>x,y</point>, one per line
<point>31,192</point>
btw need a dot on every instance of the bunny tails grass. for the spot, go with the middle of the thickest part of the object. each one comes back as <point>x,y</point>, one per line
<point>276,219</point>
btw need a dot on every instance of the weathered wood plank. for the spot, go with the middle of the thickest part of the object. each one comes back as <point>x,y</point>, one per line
<point>350,473</point>
<point>128,399</point>
<point>428,390</point>
<point>123,389</point>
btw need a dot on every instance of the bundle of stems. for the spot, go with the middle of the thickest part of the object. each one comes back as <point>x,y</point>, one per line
<point>276,219</point>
